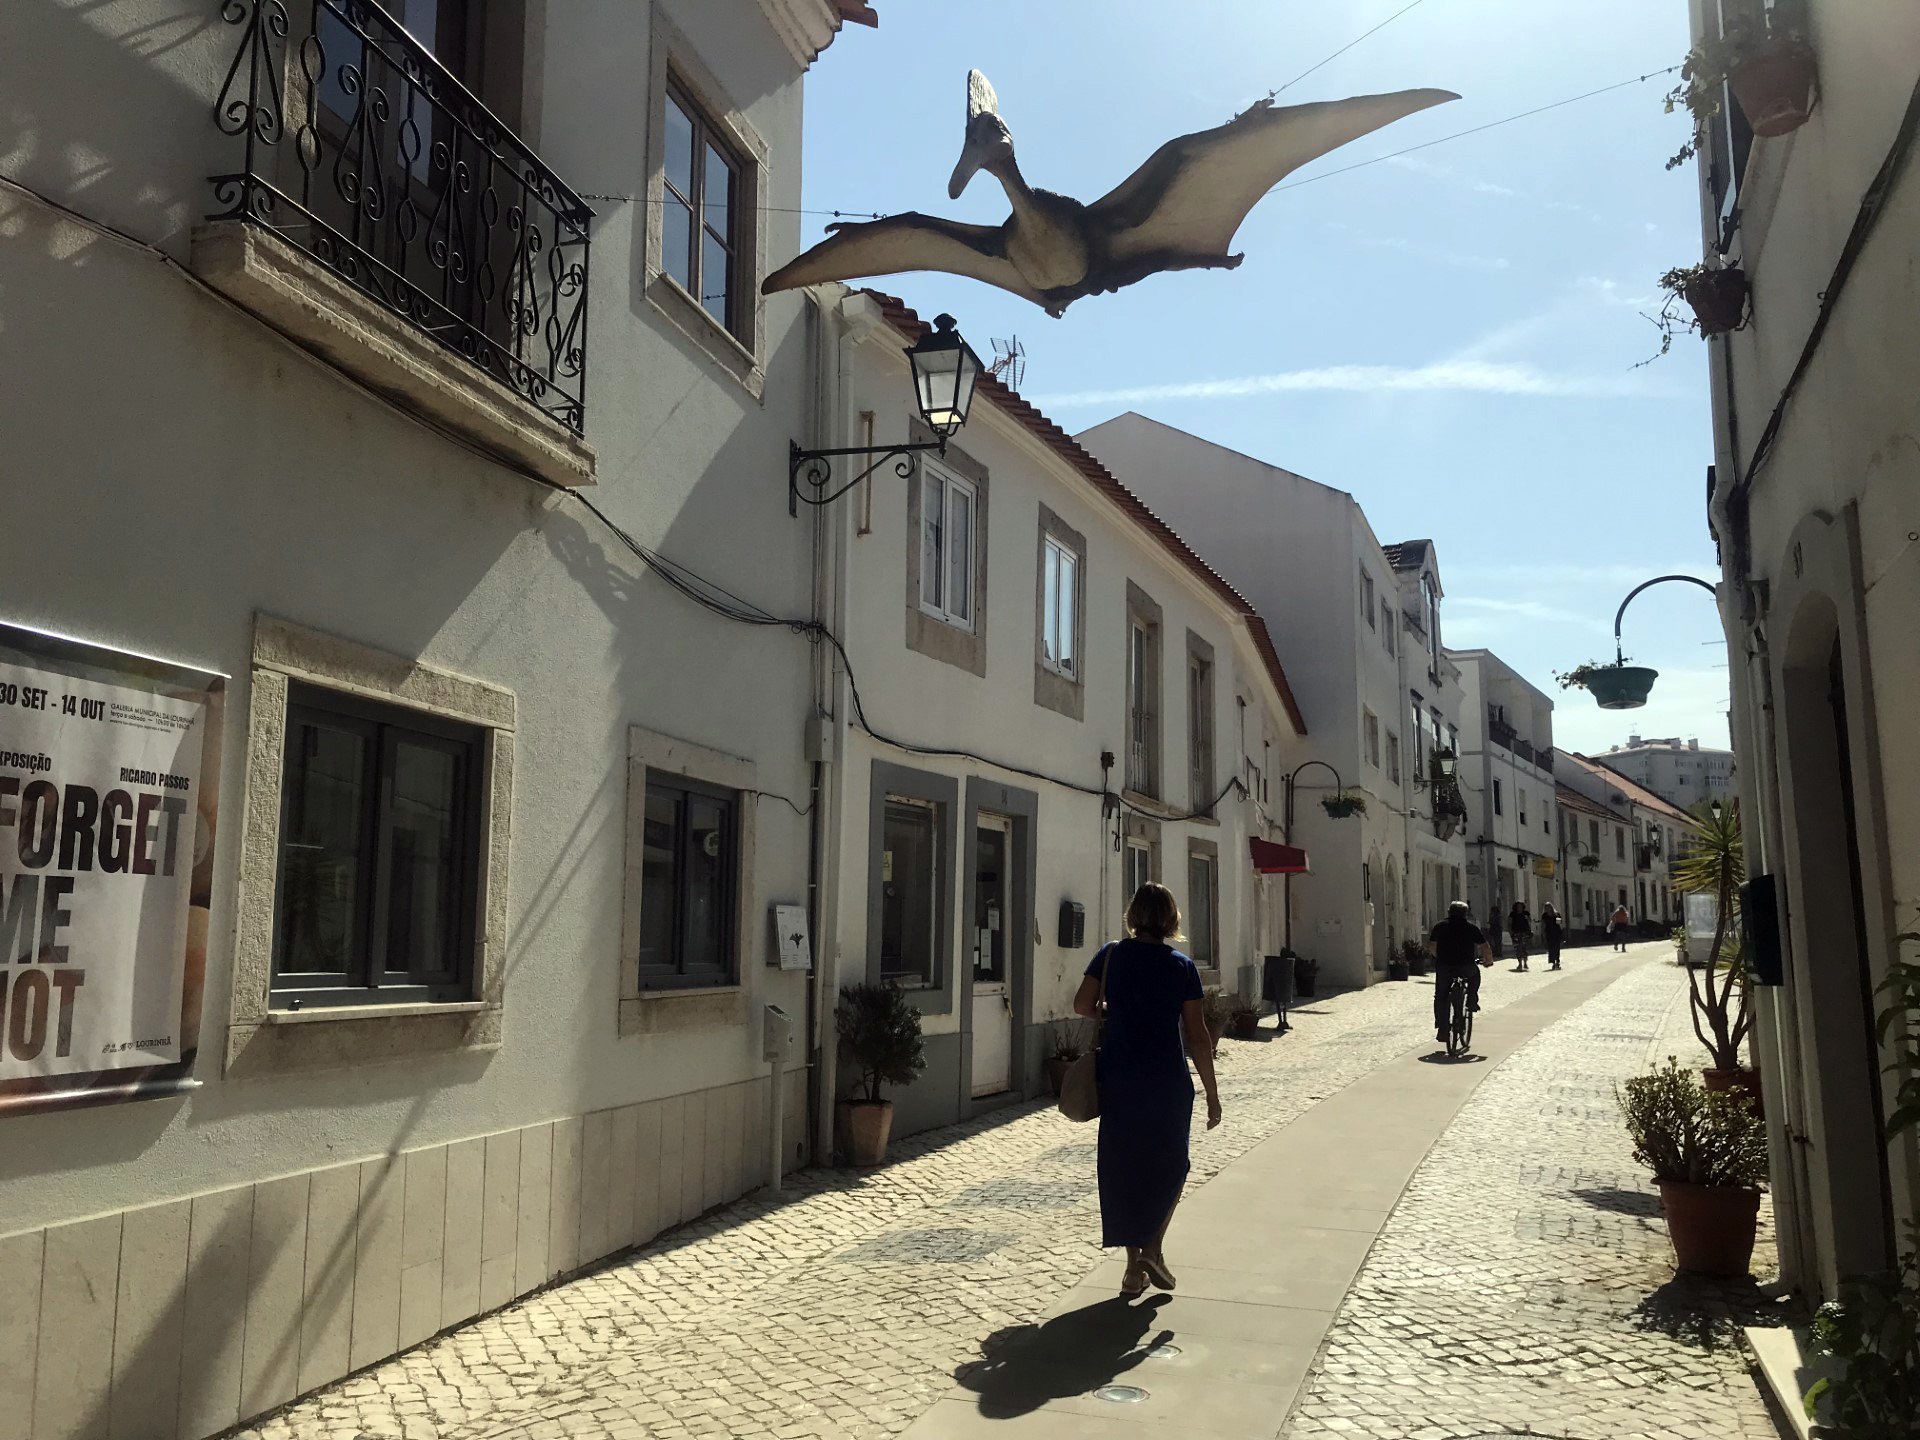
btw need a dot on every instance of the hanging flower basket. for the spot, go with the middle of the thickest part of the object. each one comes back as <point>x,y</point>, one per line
<point>1343,805</point>
<point>1718,298</point>
<point>1619,686</point>
<point>1589,862</point>
<point>1774,86</point>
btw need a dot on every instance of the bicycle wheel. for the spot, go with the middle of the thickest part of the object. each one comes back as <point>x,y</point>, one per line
<point>1460,1020</point>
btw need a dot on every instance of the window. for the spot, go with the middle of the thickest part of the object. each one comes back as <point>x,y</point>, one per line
<point>1393,758</point>
<point>700,223</point>
<point>1386,624</point>
<point>1370,724</point>
<point>1139,868</point>
<point>375,896</point>
<point>1059,606</point>
<point>1366,597</point>
<point>1619,842</point>
<point>1593,837</point>
<point>1199,726</point>
<point>1143,704</point>
<point>947,506</point>
<point>1419,741</point>
<point>1453,737</point>
<point>689,857</point>
<point>1520,796</point>
<point>1496,799</point>
<point>1432,590</point>
<point>1200,907</point>
<point>909,908</point>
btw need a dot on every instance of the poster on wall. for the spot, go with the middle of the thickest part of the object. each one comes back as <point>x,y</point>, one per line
<point>109,793</point>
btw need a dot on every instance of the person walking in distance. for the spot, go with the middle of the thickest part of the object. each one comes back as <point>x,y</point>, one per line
<point>1552,934</point>
<point>1618,925</point>
<point>1459,948</point>
<point>1493,931</point>
<point>1155,1022</point>
<point>1520,927</point>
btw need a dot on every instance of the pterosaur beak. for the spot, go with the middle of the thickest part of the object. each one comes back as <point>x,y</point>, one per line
<point>972,157</point>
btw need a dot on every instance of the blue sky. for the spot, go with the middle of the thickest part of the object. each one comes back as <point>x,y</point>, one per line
<point>1450,337</point>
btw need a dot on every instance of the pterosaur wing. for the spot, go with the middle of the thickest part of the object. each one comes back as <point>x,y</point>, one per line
<point>1193,192</point>
<point>905,242</point>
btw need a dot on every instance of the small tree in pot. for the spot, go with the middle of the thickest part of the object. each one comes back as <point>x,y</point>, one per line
<point>880,1030</point>
<point>1716,865</point>
<point>1708,1154</point>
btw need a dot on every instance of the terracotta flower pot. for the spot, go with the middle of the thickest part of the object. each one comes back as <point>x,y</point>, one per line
<point>1711,1226</point>
<point>1741,1078</point>
<point>1057,1067</point>
<point>869,1123</point>
<point>1718,299</point>
<point>1775,87</point>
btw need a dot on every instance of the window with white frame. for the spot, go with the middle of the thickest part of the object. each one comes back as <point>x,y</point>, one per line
<point>1201,924</point>
<point>1143,703</point>
<point>1393,758</point>
<point>1199,729</point>
<point>947,539</point>
<point>1366,597</point>
<point>1370,728</point>
<point>1386,624</point>
<point>1139,867</point>
<point>1419,740</point>
<point>1059,607</point>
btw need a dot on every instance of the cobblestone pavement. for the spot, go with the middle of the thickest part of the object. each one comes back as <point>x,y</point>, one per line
<point>1524,1283</point>
<point>843,1306</point>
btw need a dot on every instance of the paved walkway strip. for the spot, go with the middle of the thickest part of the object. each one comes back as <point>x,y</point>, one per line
<point>847,1305</point>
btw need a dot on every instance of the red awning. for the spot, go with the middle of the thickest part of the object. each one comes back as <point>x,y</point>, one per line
<point>1272,858</point>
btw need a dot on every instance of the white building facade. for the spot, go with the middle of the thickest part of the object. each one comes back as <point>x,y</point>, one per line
<point>1679,772</point>
<point>1058,700</point>
<point>1815,503</point>
<point>1637,847</point>
<point>1289,544</point>
<point>1507,780</point>
<point>481,931</point>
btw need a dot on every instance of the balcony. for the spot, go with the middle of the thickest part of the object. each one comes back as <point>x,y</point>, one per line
<point>1501,733</point>
<point>384,216</point>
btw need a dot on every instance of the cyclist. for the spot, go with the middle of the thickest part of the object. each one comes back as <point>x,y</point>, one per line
<point>1459,949</point>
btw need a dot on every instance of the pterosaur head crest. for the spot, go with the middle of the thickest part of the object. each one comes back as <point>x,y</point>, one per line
<point>988,140</point>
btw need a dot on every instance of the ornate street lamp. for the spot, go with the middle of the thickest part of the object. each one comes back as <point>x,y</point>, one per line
<point>945,373</point>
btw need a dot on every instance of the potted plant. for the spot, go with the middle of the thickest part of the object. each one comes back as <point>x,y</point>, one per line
<point>1719,1001</point>
<point>1708,1154</point>
<point>1213,1006</point>
<point>1067,1048</point>
<point>1619,686</point>
<point>1396,968</point>
<point>1717,295</point>
<point>1768,64</point>
<point>1305,973</point>
<point>880,1030</point>
<point>1243,1018</point>
<point>1679,938</point>
<point>1589,862</point>
<point>1414,953</point>
<point>1345,803</point>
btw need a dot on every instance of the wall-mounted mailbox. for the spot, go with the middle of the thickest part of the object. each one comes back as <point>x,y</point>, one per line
<point>776,1038</point>
<point>1760,924</point>
<point>1073,924</point>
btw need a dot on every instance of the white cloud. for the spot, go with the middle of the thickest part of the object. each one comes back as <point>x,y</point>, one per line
<point>1451,176</point>
<point>1440,257</point>
<point>1485,612</point>
<point>1457,376</point>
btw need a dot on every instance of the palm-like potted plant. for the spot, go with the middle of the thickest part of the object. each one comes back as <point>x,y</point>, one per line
<point>1721,1006</point>
<point>1067,1048</point>
<point>1768,63</point>
<point>1619,686</point>
<point>879,1028</point>
<point>1707,1150</point>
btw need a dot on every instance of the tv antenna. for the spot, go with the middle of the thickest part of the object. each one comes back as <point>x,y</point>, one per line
<point>1009,365</point>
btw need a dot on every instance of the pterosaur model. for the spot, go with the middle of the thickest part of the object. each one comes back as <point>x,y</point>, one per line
<point>1179,211</point>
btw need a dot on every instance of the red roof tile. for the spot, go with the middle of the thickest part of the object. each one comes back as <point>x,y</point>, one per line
<point>902,317</point>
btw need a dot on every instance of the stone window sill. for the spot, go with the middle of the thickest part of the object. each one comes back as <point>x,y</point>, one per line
<point>690,318</point>
<point>287,1042</point>
<point>707,1007</point>
<point>305,301</point>
<point>373,1012</point>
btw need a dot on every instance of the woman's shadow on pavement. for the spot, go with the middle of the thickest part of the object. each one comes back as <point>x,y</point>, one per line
<point>1024,1366</point>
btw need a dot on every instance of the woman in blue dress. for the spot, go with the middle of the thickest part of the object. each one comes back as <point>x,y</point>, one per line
<point>1154,1021</point>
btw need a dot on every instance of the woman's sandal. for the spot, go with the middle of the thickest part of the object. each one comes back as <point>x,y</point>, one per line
<point>1157,1271</point>
<point>1133,1284</point>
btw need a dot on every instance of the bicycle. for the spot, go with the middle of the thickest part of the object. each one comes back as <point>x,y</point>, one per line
<point>1459,1017</point>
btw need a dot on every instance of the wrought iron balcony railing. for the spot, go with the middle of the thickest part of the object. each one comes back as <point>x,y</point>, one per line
<point>364,150</point>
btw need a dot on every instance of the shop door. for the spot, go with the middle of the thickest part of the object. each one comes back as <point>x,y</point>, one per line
<point>990,935</point>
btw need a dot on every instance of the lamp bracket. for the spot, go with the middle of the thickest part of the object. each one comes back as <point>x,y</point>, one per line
<point>814,468</point>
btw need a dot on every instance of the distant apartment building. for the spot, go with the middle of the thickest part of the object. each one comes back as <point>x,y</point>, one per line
<point>1637,846</point>
<point>1373,679</point>
<point>1507,781</point>
<point>1679,772</point>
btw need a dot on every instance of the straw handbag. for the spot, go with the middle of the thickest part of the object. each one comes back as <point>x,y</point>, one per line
<point>1080,1091</point>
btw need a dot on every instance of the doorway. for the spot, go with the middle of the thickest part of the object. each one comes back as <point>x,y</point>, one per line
<point>989,940</point>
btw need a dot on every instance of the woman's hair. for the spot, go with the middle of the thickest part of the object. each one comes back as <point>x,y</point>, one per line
<point>1153,914</point>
